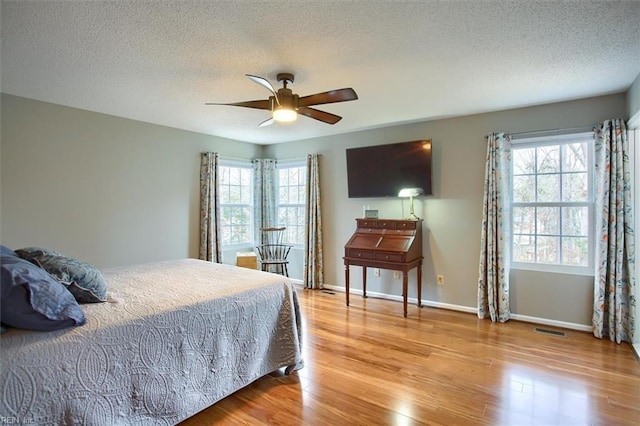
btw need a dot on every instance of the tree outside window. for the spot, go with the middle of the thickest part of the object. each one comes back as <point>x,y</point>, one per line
<point>236,207</point>
<point>552,202</point>
<point>291,201</point>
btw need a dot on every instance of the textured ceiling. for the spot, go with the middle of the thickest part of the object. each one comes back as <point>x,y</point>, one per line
<point>160,61</point>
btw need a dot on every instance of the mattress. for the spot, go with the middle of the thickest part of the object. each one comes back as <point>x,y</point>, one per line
<point>174,338</point>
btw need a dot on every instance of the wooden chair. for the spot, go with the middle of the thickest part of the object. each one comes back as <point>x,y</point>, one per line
<point>273,254</point>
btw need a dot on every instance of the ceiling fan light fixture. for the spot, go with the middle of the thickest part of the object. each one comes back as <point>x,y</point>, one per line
<point>285,105</point>
<point>285,115</point>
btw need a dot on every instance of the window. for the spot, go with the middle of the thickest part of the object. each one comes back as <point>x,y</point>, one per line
<point>552,203</point>
<point>236,203</point>
<point>291,201</point>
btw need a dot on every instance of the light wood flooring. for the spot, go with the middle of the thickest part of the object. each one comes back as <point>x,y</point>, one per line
<point>367,365</point>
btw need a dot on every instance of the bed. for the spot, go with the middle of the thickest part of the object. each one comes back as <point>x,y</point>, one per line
<point>172,339</point>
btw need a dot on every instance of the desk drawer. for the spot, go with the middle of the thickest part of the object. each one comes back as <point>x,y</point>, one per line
<point>385,224</point>
<point>407,224</point>
<point>366,223</point>
<point>389,257</point>
<point>359,254</point>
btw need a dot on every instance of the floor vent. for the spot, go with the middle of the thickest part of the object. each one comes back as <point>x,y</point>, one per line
<point>551,332</point>
<point>328,292</point>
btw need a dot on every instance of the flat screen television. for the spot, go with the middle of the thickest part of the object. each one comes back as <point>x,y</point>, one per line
<point>383,170</point>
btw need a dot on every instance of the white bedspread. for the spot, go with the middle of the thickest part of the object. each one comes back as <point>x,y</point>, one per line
<point>175,338</point>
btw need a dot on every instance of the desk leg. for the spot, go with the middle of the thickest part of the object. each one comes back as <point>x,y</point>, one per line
<point>420,285</point>
<point>346,276</point>
<point>405,281</point>
<point>364,282</point>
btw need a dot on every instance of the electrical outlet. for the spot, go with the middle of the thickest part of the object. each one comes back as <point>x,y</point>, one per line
<point>440,280</point>
<point>396,275</point>
<point>376,272</point>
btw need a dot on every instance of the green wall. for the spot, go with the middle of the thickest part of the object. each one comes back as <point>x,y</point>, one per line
<point>107,190</point>
<point>113,192</point>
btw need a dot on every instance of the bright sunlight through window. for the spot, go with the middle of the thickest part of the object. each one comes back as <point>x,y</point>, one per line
<point>552,203</point>
<point>291,201</point>
<point>236,207</point>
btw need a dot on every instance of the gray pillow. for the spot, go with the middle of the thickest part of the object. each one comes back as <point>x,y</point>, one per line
<point>33,299</point>
<point>83,280</point>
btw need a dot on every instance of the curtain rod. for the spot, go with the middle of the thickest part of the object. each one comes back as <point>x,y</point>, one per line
<point>224,157</point>
<point>557,129</point>
<point>291,159</point>
<point>229,158</point>
<point>244,160</point>
<point>297,158</point>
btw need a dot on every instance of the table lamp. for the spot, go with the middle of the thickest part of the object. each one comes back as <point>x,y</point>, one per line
<point>410,193</point>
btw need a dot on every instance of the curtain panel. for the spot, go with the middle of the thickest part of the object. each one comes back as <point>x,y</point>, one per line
<point>264,196</point>
<point>614,288</point>
<point>313,263</point>
<point>210,247</point>
<point>493,281</point>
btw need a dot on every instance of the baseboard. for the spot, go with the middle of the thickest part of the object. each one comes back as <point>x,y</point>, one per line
<point>636,349</point>
<point>552,323</point>
<point>468,309</point>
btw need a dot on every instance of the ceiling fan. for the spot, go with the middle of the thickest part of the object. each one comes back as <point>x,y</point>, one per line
<point>285,105</point>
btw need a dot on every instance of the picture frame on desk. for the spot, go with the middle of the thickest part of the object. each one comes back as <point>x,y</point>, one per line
<point>371,214</point>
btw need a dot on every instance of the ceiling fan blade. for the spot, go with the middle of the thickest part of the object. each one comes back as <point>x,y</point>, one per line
<point>264,104</point>
<point>267,122</point>
<point>340,95</point>
<point>264,83</point>
<point>319,115</point>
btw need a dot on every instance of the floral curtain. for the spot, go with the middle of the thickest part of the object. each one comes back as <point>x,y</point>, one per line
<point>313,265</point>
<point>493,281</point>
<point>209,208</point>
<point>264,196</point>
<point>614,290</point>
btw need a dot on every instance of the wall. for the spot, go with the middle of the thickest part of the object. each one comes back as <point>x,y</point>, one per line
<point>113,191</point>
<point>107,190</point>
<point>453,215</point>
<point>633,98</point>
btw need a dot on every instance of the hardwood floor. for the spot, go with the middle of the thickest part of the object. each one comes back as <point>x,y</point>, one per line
<point>367,365</point>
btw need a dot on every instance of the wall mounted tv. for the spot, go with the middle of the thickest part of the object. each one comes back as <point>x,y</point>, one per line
<point>383,170</point>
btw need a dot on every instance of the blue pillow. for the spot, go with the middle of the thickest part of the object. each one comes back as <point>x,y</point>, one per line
<point>83,280</point>
<point>6,251</point>
<point>33,299</point>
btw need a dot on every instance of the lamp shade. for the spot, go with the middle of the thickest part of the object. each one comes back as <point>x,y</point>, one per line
<point>409,192</point>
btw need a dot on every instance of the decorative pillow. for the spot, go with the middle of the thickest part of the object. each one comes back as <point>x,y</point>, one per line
<point>33,299</point>
<point>83,280</point>
<point>37,251</point>
<point>6,251</point>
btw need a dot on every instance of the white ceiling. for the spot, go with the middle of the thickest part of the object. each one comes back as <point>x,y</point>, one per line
<point>160,61</point>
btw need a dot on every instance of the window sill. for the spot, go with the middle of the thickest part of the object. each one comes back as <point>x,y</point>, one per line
<point>553,269</point>
<point>238,247</point>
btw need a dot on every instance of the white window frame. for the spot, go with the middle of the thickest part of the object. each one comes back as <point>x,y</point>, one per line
<point>289,165</point>
<point>250,242</point>
<point>531,142</point>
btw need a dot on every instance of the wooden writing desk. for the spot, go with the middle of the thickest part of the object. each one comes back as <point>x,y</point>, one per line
<point>386,244</point>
